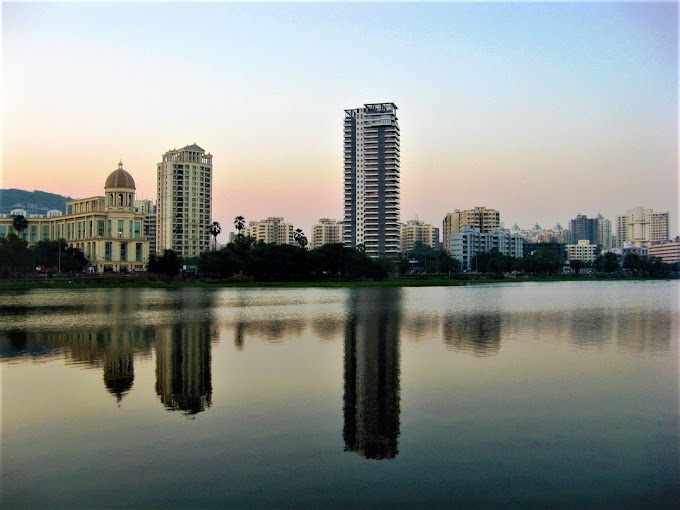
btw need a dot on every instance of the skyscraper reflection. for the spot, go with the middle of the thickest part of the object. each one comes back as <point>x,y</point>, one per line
<point>371,373</point>
<point>183,358</point>
<point>476,333</point>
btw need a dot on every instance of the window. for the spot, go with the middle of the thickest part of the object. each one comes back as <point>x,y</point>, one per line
<point>34,233</point>
<point>109,228</point>
<point>3,231</point>
<point>138,252</point>
<point>100,228</point>
<point>107,251</point>
<point>123,251</point>
<point>137,229</point>
<point>121,224</point>
<point>45,232</point>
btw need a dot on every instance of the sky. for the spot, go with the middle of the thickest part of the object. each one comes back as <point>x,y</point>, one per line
<point>539,110</point>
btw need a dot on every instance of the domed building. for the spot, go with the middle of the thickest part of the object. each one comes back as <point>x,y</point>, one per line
<point>107,229</point>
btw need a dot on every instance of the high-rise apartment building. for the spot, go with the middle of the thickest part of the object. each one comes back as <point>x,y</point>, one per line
<point>583,227</point>
<point>466,245</point>
<point>271,230</point>
<point>641,227</point>
<point>371,170</point>
<point>486,220</point>
<point>417,230</point>
<point>184,201</point>
<point>326,231</point>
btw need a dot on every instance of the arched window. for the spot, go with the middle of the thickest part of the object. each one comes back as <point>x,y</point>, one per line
<point>110,199</point>
<point>120,199</point>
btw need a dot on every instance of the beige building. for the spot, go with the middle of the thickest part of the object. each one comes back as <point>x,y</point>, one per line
<point>326,231</point>
<point>105,228</point>
<point>583,251</point>
<point>184,201</point>
<point>417,230</point>
<point>642,227</point>
<point>271,230</point>
<point>668,251</point>
<point>486,220</point>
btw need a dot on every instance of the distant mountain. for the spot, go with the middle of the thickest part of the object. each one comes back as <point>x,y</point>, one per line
<point>33,202</point>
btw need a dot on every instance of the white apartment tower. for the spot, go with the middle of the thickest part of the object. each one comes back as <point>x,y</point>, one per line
<point>641,226</point>
<point>184,202</point>
<point>326,231</point>
<point>371,141</point>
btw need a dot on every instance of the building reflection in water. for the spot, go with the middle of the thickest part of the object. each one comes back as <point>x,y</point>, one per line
<point>183,358</point>
<point>476,333</point>
<point>371,373</point>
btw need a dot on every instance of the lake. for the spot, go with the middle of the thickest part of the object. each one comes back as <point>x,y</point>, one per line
<point>519,395</point>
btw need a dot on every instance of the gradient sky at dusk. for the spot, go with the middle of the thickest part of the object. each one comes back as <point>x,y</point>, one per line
<point>539,110</point>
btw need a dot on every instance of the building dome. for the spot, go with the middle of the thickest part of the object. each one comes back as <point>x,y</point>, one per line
<point>120,179</point>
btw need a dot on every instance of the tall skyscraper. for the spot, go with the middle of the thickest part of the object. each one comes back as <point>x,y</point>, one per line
<point>184,201</point>
<point>371,136</point>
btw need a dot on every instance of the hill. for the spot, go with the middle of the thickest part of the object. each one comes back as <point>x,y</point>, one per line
<point>34,202</point>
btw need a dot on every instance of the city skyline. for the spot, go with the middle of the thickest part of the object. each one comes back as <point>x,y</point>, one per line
<point>541,111</point>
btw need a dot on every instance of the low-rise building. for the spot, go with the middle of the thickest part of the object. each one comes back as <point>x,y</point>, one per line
<point>667,251</point>
<point>464,246</point>
<point>105,228</point>
<point>583,250</point>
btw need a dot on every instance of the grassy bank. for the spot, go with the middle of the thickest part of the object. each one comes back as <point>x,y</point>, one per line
<point>94,283</point>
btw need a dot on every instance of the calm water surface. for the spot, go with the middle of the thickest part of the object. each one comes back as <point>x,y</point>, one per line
<point>555,395</point>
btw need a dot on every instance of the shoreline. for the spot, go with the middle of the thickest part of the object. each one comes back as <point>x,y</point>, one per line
<point>87,283</point>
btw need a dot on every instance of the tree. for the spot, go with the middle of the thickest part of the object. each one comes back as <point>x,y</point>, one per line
<point>239,224</point>
<point>215,230</point>
<point>608,263</point>
<point>20,223</point>
<point>300,238</point>
<point>576,265</point>
<point>168,264</point>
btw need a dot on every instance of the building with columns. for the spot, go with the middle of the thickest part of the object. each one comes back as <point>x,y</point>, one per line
<point>107,229</point>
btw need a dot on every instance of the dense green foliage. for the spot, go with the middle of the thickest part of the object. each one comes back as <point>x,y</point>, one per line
<point>284,262</point>
<point>38,202</point>
<point>167,264</point>
<point>16,258</point>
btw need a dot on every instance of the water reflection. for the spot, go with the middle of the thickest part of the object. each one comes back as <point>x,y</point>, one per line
<point>476,333</point>
<point>183,359</point>
<point>270,330</point>
<point>371,373</point>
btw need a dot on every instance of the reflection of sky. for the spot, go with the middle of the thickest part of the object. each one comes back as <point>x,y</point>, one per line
<point>526,100</point>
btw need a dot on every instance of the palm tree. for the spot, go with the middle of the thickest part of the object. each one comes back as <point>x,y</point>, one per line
<point>19,223</point>
<point>300,238</point>
<point>215,230</point>
<point>239,223</point>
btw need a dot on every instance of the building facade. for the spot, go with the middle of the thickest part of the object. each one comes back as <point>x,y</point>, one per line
<point>668,251</point>
<point>326,231</point>
<point>148,209</point>
<point>641,227</point>
<point>372,179</point>
<point>486,220</point>
<point>583,227</point>
<point>583,250</point>
<point>184,201</point>
<point>464,246</point>
<point>417,230</point>
<point>107,229</point>
<point>271,230</point>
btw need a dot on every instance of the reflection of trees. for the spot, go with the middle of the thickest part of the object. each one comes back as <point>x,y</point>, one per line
<point>327,327</point>
<point>183,358</point>
<point>478,333</point>
<point>420,326</point>
<point>271,330</point>
<point>371,373</point>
